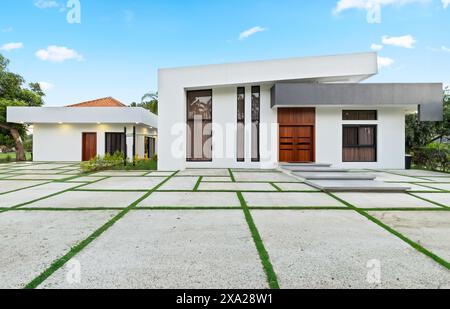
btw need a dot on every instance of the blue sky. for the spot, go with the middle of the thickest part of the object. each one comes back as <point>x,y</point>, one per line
<point>118,46</point>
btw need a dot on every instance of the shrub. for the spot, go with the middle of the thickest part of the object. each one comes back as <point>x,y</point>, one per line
<point>434,157</point>
<point>102,163</point>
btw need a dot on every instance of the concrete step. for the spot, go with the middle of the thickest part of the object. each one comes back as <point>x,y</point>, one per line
<point>318,169</point>
<point>334,176</point>
<point>290,166</point>
<point>356,186</point>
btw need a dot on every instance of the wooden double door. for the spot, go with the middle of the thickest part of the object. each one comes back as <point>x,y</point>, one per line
<point>297,135</point>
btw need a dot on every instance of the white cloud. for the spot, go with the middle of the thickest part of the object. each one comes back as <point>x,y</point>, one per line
<point>55,53</point>
<point>445,49</point>
<point>384,62</point>
<point>406,41</point>
<point>46,4</point>
<point>343,5</point>
<point>11,46</point>
<point>248,33</point>
<point>46,86</point>
<point>446,3</point>
<point>376,47</point>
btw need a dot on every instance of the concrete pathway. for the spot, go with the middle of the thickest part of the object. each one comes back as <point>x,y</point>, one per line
<point>218,228</point>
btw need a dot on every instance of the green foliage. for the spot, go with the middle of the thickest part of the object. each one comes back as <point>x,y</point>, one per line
<point>28,143</point>
<point>420,134</point>
<point>14,92</point>
<point>149,101</point>
<point>102,163</point>
<point>434,157</point>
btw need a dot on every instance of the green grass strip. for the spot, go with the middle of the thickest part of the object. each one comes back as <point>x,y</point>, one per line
<point>264,256</point>
<point>276,187</point>
<point>231,175</point>
<point>429,201</point>
<point>29,187</point>
<point>410,242</point>
<point>42,198</point>
<point>84,243</point>
<point>198,183</point>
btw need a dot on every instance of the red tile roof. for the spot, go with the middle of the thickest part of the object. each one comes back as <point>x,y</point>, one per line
<point>104,102</point>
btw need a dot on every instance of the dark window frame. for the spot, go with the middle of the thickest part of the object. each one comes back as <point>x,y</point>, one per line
<point>124,145</point>
<point>358,145</point>
<point>358,115</point>
<point>207,121</point>
<point>240,122</point>
<point>256,122</point>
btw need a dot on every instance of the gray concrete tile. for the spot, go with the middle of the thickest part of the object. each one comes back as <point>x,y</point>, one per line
<point>430,229</point>
<point>161,249</point>
<point>235,186</point>
<point>287,199</point>
<point>31,241</point>
<point>28,195</point>
<point>295,187</point>
<point>126,183</point>
<point>441,198</point>
<point>191,199</point>
<point>180,183</point>
<point>9,185</point>
<point>384,200</point>
<point>264,176</point>
<point>86,199</point>
<point>334,249</point>
<point>204,172</point>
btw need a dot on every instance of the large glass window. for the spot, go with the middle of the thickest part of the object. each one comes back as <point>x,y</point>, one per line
<point>256,121</point>
<point>241,124</point>
<point>199,125</point>
<point>114,142</point>
<point>360,143</point>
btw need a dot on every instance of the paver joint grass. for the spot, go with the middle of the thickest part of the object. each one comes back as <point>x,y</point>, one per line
<point>413,244</point>
<point>263,254</point>
<point>84,243</point>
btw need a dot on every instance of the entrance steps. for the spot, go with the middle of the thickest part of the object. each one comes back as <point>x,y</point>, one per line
<point>334,176</point>
<point>324,177</point>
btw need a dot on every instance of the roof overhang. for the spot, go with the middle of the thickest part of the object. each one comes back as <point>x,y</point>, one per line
<point>81,115</point>
<point>429,97</point>
<point>347,68</point>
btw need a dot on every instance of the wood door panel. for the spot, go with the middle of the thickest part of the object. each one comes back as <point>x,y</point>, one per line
<point>89,146</point>
<point>296,134</point>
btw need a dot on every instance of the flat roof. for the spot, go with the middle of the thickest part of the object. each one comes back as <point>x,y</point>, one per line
<point>350,68</point>
<point>80,115</point>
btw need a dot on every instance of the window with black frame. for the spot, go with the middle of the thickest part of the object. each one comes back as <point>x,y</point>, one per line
<point>241,124</point>
<point>256,122</point>
<point>114,142</point>
<point>359,143</point>
<point>199,126</point>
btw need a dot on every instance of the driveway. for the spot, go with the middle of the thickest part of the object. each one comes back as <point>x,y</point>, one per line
<point>218,228</point>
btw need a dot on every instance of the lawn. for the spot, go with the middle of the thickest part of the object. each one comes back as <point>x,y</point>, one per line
<point>12,155</point>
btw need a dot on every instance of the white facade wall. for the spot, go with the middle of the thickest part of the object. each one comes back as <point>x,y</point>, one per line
<point>63,142</point>
<point>225,131</point>
<point>224,78</point>
<point>390,137</point>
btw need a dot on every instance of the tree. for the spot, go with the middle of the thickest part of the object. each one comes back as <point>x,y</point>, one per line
<point>14,93</point>
<point>420,134</point>
<point>149,101</point>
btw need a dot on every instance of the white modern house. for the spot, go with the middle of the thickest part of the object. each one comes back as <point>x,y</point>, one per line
<point>82,131</point>
<point>261,114</point>
<point>247,115</point>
